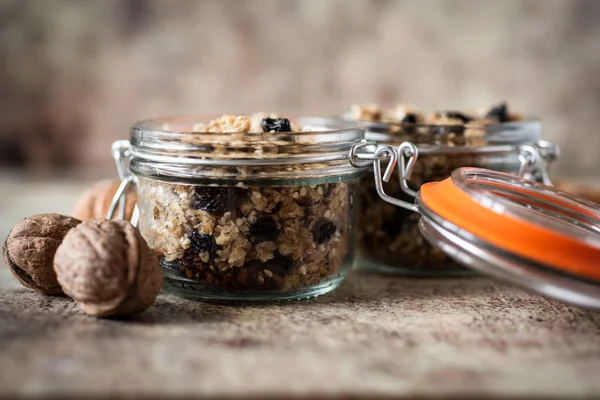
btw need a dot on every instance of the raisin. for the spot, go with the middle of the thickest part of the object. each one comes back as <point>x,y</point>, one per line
<point>276,125</point>
<point>499,113</point>
<point>203,243</point>
<point>327,189</point>
<point>264,229</point>
<point>277,207</point>
<point>323,230</point>
<point>189,259</point>
<point>209,198</point>
<point>409,118</point>
<point>279,264</point>
<point>189,264</point>
<point>455,115</point>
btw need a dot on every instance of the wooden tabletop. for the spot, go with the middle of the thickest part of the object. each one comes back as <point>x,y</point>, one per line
<point>375,336</point>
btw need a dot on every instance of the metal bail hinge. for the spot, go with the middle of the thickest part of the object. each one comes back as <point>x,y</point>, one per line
<point>549,152</point>
<point>122,154</point>
<point>528,157</point>
<point>364,153</point>
<point>410,151</point>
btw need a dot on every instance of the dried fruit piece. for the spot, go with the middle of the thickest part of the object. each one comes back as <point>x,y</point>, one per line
<point>276,125</point>
<point>454,115</point>
<point>499,113</point>
<point>209,198</point>
<point>189,264</point>
<point>108,268</point>
<point>203,243</point>
<point>323,230</point>
<point>30,247</point>
<point>409,119</point>
<point>279,264</point>
<point>264,229</point>
<point>189,259</point>
<point>327,189</point>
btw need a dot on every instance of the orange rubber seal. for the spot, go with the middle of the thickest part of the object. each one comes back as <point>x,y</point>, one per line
<point>554,249</point>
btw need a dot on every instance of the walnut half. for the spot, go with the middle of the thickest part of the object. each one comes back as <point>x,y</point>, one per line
<point>108,269</point>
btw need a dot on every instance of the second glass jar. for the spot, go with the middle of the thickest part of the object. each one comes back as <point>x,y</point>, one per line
<point>388,236</point>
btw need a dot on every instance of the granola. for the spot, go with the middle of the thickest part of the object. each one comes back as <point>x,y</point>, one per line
<point>233,237</point>
<point>388,235</point>
<point>498,113</point>
<point>265,238</point>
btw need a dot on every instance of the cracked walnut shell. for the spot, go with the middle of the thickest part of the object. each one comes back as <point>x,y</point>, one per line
<point>108,269</point>
<point>95,201</point>
<point>29,250</point>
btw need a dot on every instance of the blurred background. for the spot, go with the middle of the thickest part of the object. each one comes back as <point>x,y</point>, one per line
<point>74,74</point>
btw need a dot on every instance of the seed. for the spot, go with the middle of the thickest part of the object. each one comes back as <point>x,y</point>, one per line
<point>185,242</point>
<point>302,270</point>
<point>268,273</point>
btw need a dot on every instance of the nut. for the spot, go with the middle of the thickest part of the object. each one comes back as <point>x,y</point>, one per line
<point>108,269</point>
<point>95,202</point>
<point>29,250</point>
<point>591,193</point>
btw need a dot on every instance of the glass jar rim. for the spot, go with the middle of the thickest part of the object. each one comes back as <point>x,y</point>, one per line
<point>527,130</point>
<point>173,139</point>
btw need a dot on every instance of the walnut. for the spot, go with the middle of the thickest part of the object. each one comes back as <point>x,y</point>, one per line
<point>29,250</point>
<point>95,202</point>
<point>587,192</point>
<point>108,269</point>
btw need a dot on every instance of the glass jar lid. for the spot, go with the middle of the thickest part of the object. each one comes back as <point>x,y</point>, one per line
<point>180,148</point>
<point>530,234</point>
<point>178,140</point>
<point>527,233</point>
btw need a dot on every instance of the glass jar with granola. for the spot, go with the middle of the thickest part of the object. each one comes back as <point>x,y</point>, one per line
<point>245,207</point>
<point>388,236</point>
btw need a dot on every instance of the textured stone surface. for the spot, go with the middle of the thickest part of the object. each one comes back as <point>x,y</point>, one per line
<point>377,335</point>
<point>76,73</point>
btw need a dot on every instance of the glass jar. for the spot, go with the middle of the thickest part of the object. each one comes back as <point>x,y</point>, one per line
<point>388,236</point>
<point>528,234</point>
<point>234,216</point>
